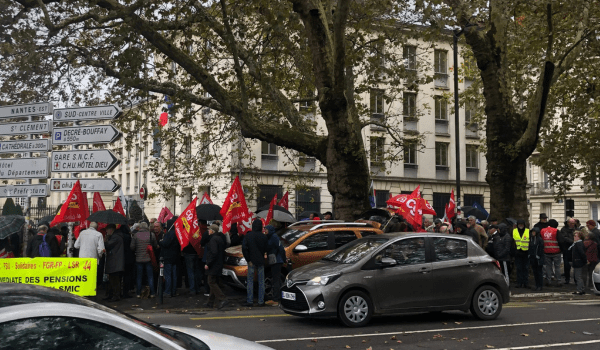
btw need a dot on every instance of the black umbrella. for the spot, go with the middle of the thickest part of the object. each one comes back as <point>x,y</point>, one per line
<point>279,214</point>
<point>108,217</point>
<point>306,214</point>
<point>10,224</point>
<point>46,219</point>
<point>208,212</point>
<point>468,211</point>
<point>511,221</point>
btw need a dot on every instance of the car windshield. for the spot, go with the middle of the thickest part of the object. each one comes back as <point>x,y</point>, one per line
<point>290,235</point>
<point>354,251</point>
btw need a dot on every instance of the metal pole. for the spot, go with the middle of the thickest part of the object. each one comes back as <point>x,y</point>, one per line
<point>457,119</point>
<point>160,279</point>
<point>70,242</point>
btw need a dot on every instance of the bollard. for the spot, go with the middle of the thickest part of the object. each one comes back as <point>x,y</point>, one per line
<point>161,266</point>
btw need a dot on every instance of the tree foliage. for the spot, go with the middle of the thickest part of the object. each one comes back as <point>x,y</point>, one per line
<point>9,207</point>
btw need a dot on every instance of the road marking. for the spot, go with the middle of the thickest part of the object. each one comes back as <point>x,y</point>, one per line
<point>234,317</point>
<point>550,345</point>
<point>428,330</point>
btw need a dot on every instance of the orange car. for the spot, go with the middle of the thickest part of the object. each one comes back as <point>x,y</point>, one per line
<point>305,242</point>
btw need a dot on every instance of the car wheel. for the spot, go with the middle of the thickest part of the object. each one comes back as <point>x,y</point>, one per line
<point>355,309</point>
<point>486,303</point>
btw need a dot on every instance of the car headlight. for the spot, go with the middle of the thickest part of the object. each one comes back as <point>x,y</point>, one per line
<point>323,280</point>
<point>242,262</point>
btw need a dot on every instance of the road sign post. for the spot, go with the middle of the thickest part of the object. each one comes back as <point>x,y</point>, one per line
<point>37,190</point>
<point>25,128</point>
<point>20,146</point>
<point>85,135</point>
<point>87,185</point>
<point>23,168</point>
<point>96,161</point>
<point>26,110</point>
<point>73,114</point>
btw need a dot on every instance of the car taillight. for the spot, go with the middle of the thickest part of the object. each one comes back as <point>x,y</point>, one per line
<point>497,264</point>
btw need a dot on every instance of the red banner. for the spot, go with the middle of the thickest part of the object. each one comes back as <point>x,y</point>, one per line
<point>235,210</point>
<point>119,207</point>
<point>75,207</point>
<point>98,205</point>
<point>284,202</point>
<point>186,225</point>
<point>270,213</point>
<point>165,215</point>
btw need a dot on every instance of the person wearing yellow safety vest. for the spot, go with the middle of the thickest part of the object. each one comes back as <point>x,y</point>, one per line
<point>521,239</point>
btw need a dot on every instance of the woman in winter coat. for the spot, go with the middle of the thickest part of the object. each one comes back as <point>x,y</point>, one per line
<point>579,260</point>
<point>591,251</point>
<point>275,248</point>
<point>115,261</point>
<point>170,252</point>
<point>536,257</point>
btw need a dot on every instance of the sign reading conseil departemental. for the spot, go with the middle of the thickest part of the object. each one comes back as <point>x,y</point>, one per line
<point>87,185</point>
<point>24,168</point>
<point>25,110</point>
<point>85,135</point>
<point>37,190</point>
<point>75,161</point>
<point>73,114</point>
<point>39,127</point>
<point>20,146</point>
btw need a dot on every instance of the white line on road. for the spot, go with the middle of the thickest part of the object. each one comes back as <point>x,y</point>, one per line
<point>426,331</point>
<point>550,345</point>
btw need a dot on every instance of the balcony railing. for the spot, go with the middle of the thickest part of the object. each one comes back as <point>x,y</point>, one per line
<point>539,188</point>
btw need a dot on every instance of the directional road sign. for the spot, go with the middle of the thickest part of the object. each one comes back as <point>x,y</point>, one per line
<point>87,185</point>
<point>84,134</point>
<point>20,146</point>
<point>42,108</point>
<point>38,190</point>
<point>24,168</point>
<point>40,127</point>
<point>73,114</point>
<point>85,161</point>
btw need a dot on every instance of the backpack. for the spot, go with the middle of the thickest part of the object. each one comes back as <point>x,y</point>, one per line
<point>44,248</point>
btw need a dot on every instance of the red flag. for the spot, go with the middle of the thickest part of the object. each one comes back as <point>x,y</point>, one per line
<point>284,202</point>
<point>426,208</point>
<point>165,215</point>
<point>399,200</point>
<point>164,119</point>
<point>270,213</point>
<point>235,210</point>
<point>206,199</point>
<point>410,208</point>
<point>119,207</point>
<point>75,207</point>
<point>450,207</point>
<point>186,225</point>
<point>98,205</point>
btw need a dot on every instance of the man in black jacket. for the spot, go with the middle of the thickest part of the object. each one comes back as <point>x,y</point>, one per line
<point>215,254</point>
<point>543,223</point>
<point>170,252</point>
<point>254,248</point>
<point>33,247</point>
<point>502,243</point>
<point>565,239</point>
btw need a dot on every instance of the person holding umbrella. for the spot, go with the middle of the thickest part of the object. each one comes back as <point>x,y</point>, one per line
<point>115,262</point>
<point>33,247</point>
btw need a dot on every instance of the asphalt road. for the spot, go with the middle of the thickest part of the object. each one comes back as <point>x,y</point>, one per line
<point>535,324</point>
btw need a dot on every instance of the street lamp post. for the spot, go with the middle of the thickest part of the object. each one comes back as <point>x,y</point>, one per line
<point>456,34</point>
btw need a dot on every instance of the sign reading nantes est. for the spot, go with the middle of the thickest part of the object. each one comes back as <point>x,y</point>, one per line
<point>23,168</point>
<point>25,110</point>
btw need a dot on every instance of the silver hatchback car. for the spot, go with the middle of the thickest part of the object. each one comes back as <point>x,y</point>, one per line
<point>397,273</point>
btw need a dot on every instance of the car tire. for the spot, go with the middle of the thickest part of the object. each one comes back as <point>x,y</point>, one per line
<point>355,309</point>
<point>487,303</point>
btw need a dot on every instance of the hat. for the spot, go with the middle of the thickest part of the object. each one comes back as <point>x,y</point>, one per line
<point>214,228</point>
<point>591,223</point>
<point>543,216</point>
<point>553,223</point>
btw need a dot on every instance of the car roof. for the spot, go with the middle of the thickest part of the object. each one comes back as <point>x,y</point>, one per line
<point>392,235</point>
<point>19,294</point>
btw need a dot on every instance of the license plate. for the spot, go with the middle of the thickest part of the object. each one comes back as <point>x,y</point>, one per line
<point>288,296</point>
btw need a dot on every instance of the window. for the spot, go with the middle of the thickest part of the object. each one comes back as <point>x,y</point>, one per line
<point>381,196</point>
<point>439,203</point>
<point>135,180</point>
<point>268,149</point>
<point>472,157</point>
<point>67,333</point>
<point>441,108</point>
<point>187,146</point>
<point>308,200</point>
<point>407,252</point>
<point>343,237</point>
<point>318,241</point>
<point>409,53</point>
<point>469,112</point>
<point>449,249</point>
<point>378,51</point>
<point>440,59</point>
<point>469,199</point>
<point>409,104</point>
<point>441,154</point>
<point>305,107</point>
<point>376,103</point>
<point>145,175</point>
<point>128,181</point>
<point>266,193</point>
<point>410,154</point>
<point>377,149</point>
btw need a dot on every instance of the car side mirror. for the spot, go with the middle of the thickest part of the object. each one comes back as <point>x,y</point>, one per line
<point>300,248</point>
<point>387,262</point>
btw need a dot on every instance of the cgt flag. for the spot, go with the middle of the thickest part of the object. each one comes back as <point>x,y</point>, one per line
<point>186,225</point>
<point>75,207</point>
<point>284,202</point>
<point>235,210</point>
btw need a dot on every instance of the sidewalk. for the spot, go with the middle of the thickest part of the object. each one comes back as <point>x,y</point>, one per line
<point>552,292</point>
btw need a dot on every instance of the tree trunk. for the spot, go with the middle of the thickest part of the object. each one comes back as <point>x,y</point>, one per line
<point>508,186</point>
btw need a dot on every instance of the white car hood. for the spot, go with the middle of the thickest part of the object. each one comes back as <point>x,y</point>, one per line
<point>218,341</point>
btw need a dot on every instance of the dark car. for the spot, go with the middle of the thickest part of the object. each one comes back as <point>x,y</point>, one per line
<point>397,273</point>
